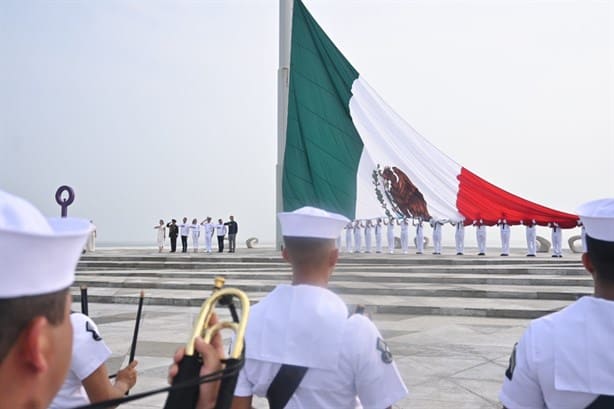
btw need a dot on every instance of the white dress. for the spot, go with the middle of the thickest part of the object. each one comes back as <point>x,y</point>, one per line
<point>161,235</point>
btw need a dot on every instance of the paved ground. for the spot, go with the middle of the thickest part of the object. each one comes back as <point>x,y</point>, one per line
<point>446,362</point>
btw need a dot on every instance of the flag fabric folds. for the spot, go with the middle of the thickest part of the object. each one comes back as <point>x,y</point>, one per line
<point>348,152</point>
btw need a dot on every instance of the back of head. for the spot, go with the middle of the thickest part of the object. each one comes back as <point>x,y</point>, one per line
<point>39,257</point>
<point>309,237</point>
<point>597,216</point>
<point>309,252</point>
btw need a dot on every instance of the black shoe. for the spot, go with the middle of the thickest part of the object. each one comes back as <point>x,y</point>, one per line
<point>418,252</point>
<point>554,255</point>
<point>481,254</point>
<point>459,254</point>
<point>504,254</point>
<point>530,255</point>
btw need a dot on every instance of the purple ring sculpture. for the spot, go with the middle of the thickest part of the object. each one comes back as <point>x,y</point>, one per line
<point>64,202</point>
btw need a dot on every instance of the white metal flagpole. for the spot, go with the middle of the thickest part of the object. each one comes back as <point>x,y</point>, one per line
<point>283,78</point>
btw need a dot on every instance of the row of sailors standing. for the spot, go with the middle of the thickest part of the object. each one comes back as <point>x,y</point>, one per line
<point>355,230</point>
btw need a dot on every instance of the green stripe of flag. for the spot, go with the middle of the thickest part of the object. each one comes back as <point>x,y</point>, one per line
<point>323,148</point>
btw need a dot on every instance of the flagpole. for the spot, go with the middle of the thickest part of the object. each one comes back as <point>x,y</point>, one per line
<point>283,74</point>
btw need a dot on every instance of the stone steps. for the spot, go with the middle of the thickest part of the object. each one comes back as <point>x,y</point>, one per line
<point>514,287</point>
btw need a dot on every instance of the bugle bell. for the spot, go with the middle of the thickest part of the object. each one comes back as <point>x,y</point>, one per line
<point>189,367</point>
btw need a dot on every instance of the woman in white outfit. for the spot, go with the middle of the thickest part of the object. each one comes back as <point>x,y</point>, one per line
<point>161,235</point>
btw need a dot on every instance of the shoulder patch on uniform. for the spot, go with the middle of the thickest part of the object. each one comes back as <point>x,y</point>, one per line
<point>509,372</point>
<point>91,329</point>
<point>382,346</point>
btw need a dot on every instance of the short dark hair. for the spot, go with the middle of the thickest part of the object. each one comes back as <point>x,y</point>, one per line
<point>601,253</point>
<point>16,314</point>
<point>308,250</point>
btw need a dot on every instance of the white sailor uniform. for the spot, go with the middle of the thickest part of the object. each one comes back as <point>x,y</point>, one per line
<point>459,237</point>
<point>357,237</point>
<point>404,235</point>
<point>480,236</point>
<point>564,360</point>
<point>368,236</point>
<point>390,235</point>
<point>531,235</point>
<point>378,236</point>
<point>419,237</point>
<point>436,225</point>
<point>504,228</point>
<point>349,364</point>
<point>208,228</point>
<point>349,230</point>
<point>88,352</point>
<point>557,240</point>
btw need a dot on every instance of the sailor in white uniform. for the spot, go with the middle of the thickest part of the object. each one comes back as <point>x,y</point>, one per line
<point>357,236</point>
<point>459,237</point>
<point>88,379</point>
<point>390,233</point>
<point>565,360</point>
<point>480,236</point>
<point>349,231</point>
<point>436,226</point>
<point>531,235</point>
<point>419,235</point>
<point>405,235</point>
<point>208,229</point>
<point>582,235</point>
<point>304,329</point>
<point>378,235</point>
<point>557,239</point>
<point>504,228</point>
<point>368,235</point>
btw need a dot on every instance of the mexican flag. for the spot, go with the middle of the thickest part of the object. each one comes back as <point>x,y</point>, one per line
<point>348,152</point>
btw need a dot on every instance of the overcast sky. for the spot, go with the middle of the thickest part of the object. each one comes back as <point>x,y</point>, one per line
<point>158,109</point>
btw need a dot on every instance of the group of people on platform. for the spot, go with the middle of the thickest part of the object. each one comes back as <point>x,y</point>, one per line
<point>368,229</point>
<point>194,229</point>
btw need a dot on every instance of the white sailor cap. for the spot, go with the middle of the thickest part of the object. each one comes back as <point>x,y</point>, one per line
<point>597,216</point>
<point>38,255</point>
<point>312,222</point>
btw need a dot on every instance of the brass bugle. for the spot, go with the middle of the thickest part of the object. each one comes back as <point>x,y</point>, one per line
<point>189,367</point>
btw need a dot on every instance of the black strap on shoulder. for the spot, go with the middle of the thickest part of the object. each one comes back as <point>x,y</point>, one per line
<point>602,402</point>
<point>284,385</point>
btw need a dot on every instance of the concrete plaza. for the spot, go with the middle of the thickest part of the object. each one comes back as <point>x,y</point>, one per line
<point>446,362</point>
<point>434,311</point>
